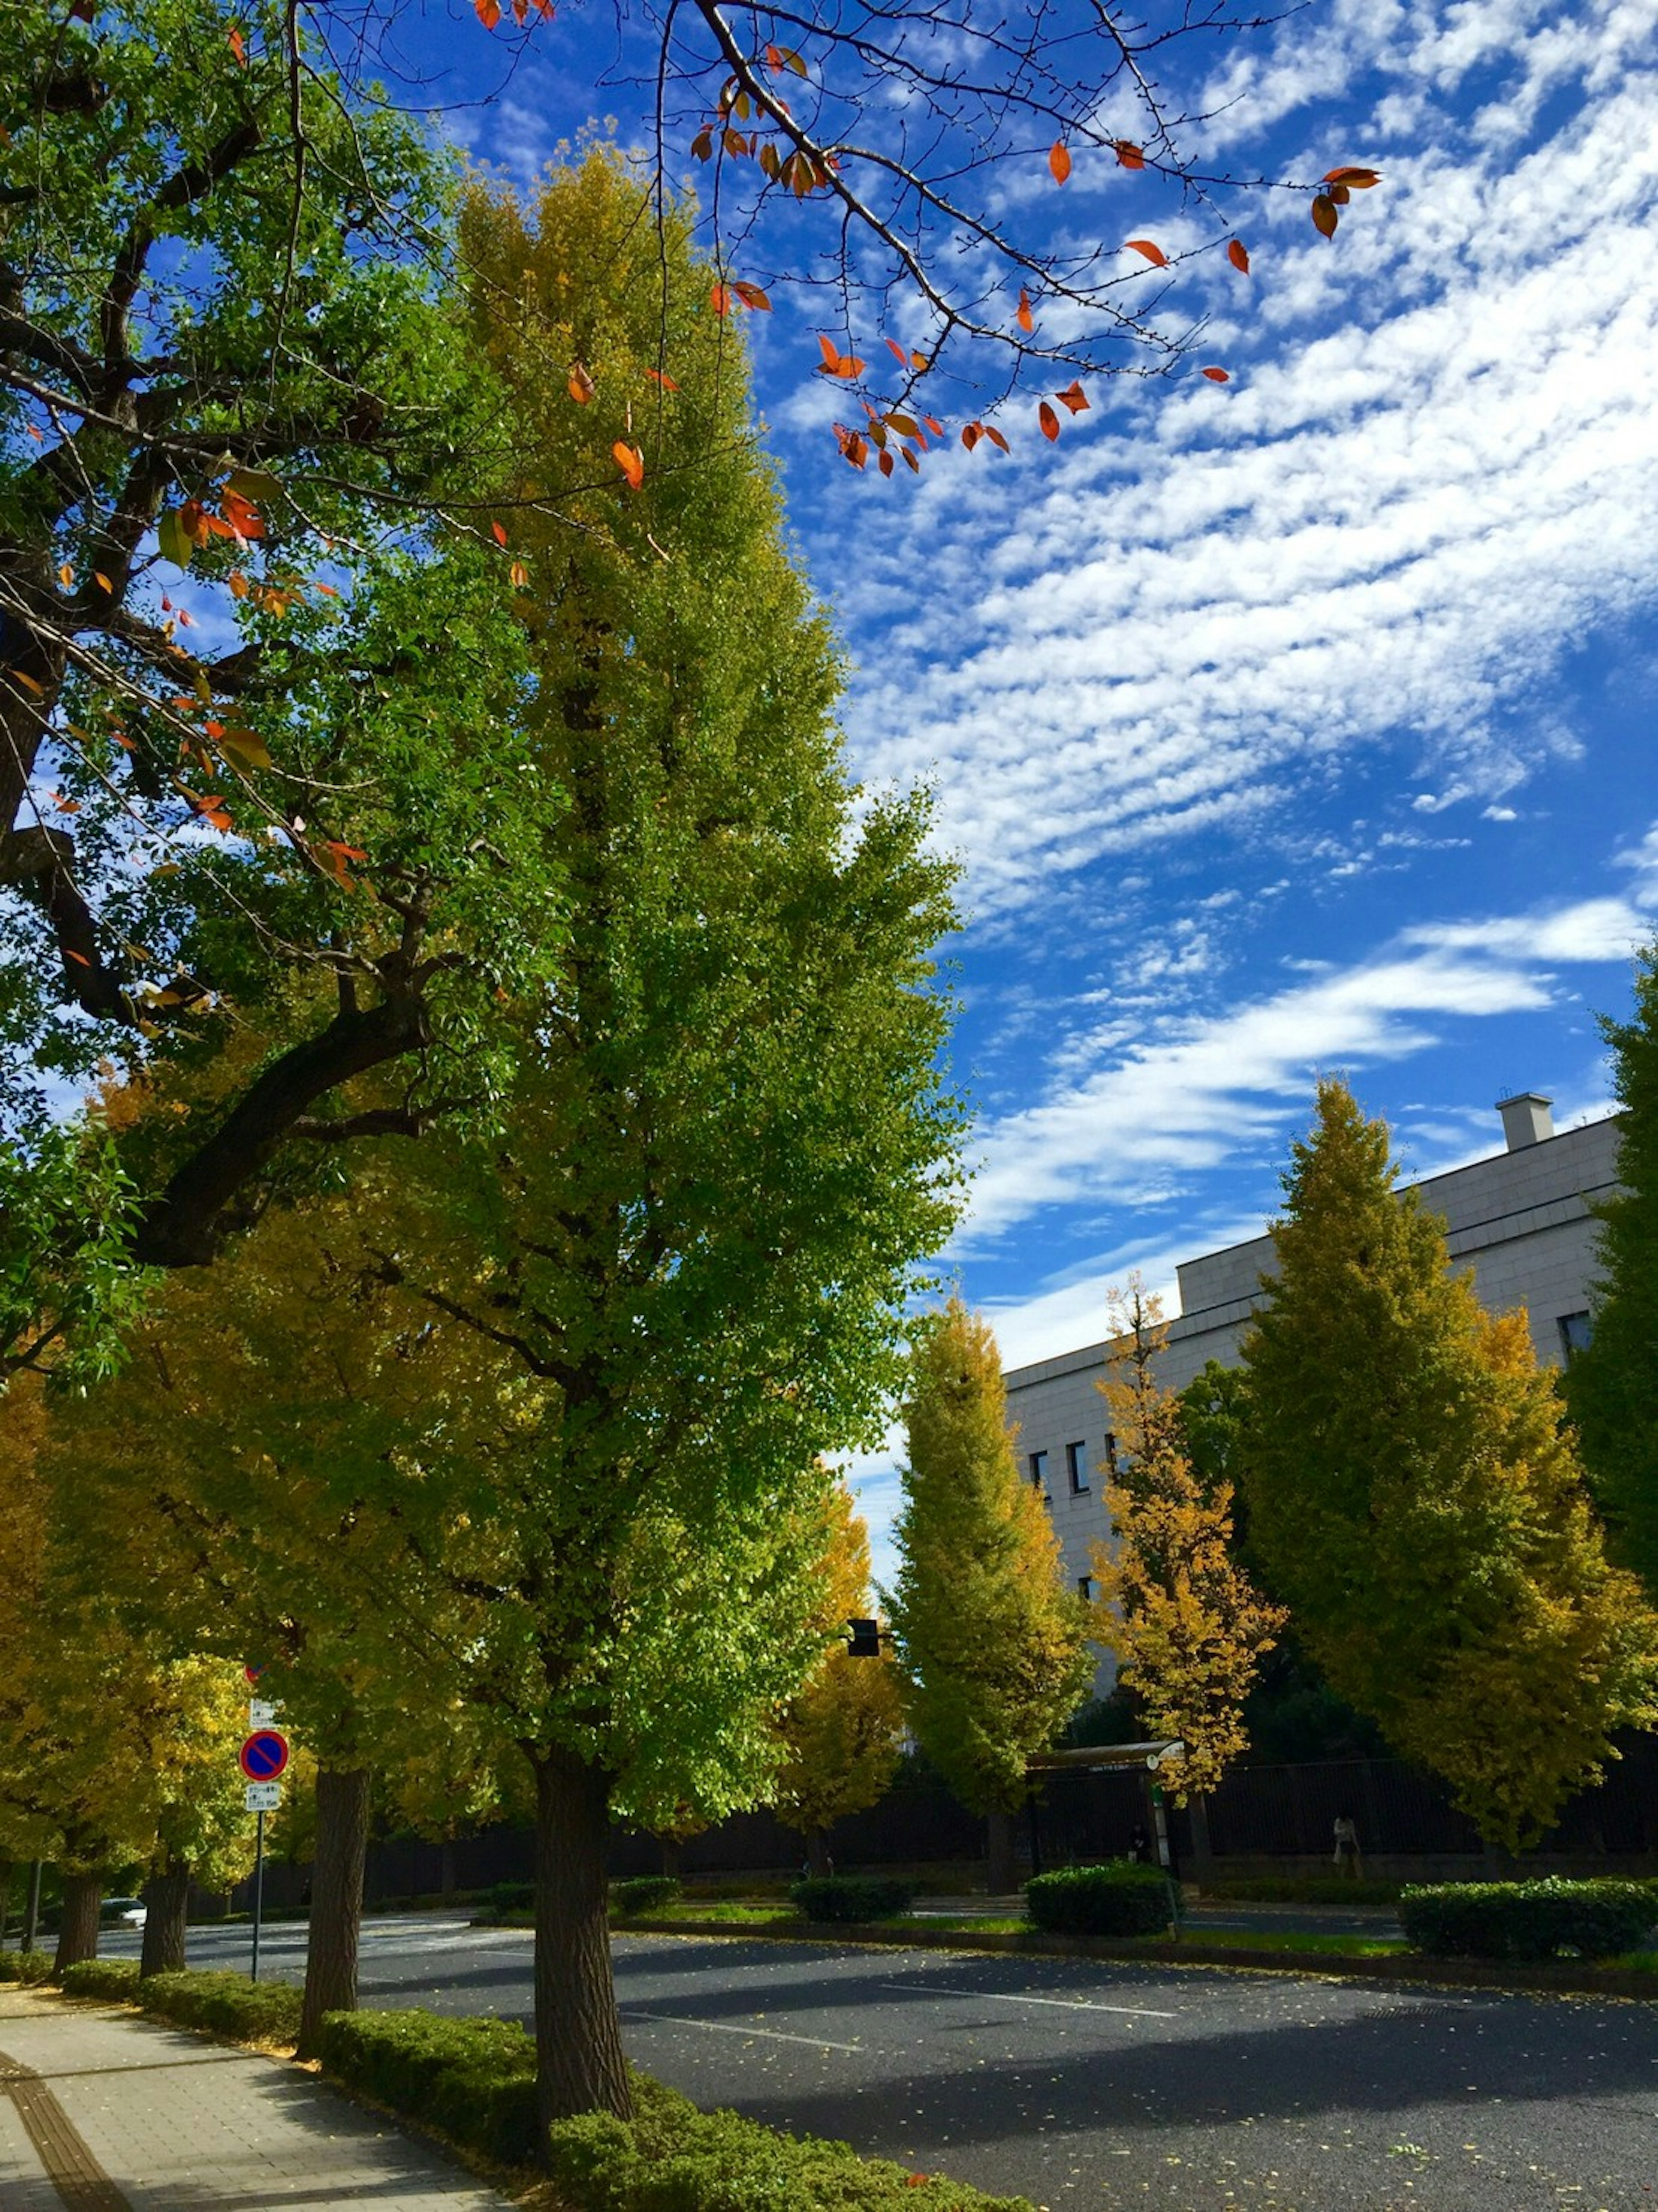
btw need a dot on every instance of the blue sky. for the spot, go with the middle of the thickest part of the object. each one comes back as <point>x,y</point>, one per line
<point>1301,725</point>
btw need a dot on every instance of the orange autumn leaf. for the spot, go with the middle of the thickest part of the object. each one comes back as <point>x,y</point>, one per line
<point>580,384</point>
<point>488,13</point>
<point>1058,161</point>
<point>1153,252</point>
<point>752,296</point>
<point>1130,155</point>
<point>237,47</point>
<point>1074,398</point>
<point>657,376</point>
<point>1325,216</point>
<point>996,437</point>
<point>719,300</point>
<point>1238,254</point>
<point>1218,375</point>
<point>1025,318</point>
<point>630,461</point>
<point>1049,421</point>
<point>1360,181</point>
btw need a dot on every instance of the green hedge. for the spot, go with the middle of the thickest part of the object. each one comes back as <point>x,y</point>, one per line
<point>852,1897</point>
<point>25,1966</point>
<point>670,2157</point>
<point>513,1897</point>
<point>224,2004</point>
<point>102,1977</point>
<point>1121,1898</point>
<point>1527,1919</point>
<point>473,2080</point>
<point>645,1892</point>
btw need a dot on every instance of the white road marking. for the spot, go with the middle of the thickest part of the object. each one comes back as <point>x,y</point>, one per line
<point>1066,2004</point>
<point>722,2028</point>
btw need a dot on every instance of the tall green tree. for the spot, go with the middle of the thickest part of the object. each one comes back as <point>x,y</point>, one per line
<point>994,1647</point>
<point>729,1145</point>
<point>1415,1497</point>
<point>1611,1385</point>
<point>1186,1626</point>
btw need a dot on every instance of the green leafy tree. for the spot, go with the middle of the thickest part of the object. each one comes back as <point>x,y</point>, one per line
<point>1611,1385</point>
<point>729,1147</point>
<point>112,1752</point>
<point>234,1491</point>
<point>1186,1626</point>
<point>237,405</point>
<point>1416,1499</point>
<point>994,1648</point>
<point>843,1731</point>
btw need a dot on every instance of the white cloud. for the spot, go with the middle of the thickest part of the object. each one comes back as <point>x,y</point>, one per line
<point>1197,1092</point>
<point>1384,534</point>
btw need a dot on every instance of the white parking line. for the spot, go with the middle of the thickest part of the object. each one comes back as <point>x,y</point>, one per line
<point>721,2027</point>
<point>1066,2004</point>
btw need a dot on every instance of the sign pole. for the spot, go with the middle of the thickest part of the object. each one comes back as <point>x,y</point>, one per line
<point>258,1889</point>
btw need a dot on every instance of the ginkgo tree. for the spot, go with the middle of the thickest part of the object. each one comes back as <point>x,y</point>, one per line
<point>1175,1607</point>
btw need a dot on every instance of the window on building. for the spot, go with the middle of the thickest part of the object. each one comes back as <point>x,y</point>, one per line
<point>1111,1455</point>
<point>1076,1466</point>
<point>1085,1589</point>
<point>1575,1330</point>
<point>1038,1464</point>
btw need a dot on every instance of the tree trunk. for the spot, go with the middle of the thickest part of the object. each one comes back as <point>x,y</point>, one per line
<point>77,1931</point>
<point>670,1849</point>
<point>818,1862</point>
<point>330,1951</point>
<point>167,1900</point>
<point>580,2066</point>
<point>5,1899</point>
<point>1001,1872</point>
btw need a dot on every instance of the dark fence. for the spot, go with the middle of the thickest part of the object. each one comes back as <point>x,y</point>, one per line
<point>1260,1812</point>
<point>1290,1812</point>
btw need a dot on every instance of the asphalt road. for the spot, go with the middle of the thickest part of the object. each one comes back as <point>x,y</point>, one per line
<point>1108,2087</point>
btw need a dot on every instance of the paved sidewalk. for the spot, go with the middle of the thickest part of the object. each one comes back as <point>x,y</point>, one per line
<point>101,2111</point>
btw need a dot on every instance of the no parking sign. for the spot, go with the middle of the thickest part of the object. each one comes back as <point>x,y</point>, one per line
<point>264,1755</point>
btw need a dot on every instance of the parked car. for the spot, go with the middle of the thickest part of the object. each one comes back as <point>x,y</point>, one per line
<point>121,1912</point>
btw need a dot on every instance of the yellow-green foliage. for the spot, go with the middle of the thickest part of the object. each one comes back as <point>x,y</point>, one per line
<point>111,1749</point>
<point>841,1735</point>
<point>994,1648</point>
<point>1416,1499</point>
<point>1188,1628</point>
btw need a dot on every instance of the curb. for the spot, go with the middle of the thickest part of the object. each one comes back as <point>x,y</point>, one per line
<point>1563,1979</point>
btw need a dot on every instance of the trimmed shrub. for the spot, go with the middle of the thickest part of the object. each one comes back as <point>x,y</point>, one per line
<point>1121,1898</point>
<point>670,2157</point>
<point>102,1977</point>
<point>224,2003</point>
<point>513,1897</point>
<point>1527,1919</point>
<point>852,1897</point>
<point>473,2080</point>
<point>645,1892</point>
<point>25,1966</point>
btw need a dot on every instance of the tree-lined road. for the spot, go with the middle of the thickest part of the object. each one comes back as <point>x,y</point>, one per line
<point>1111,2087</point>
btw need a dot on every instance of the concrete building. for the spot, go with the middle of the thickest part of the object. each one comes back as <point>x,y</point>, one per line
<point>1520,1221</point>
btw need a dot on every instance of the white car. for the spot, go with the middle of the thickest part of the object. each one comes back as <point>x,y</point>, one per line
<point>121,1912</point>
